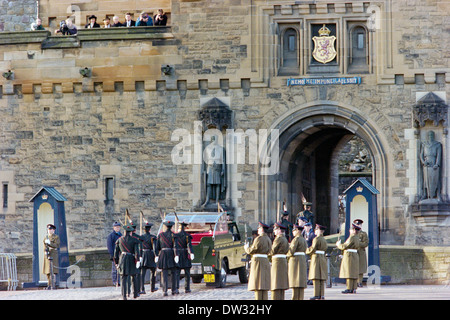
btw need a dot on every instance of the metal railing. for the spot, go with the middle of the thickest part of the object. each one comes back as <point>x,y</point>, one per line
<point>8,270</point>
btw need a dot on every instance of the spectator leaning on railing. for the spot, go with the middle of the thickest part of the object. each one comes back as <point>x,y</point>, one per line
<point>144,20</point>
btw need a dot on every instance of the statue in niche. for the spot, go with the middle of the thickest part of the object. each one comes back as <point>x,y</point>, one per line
<point>215,170</point>
<point>431,159</point>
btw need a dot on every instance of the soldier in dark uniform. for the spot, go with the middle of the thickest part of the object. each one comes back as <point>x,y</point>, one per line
<point>186,255</point>
<point>148,257</point>
<point>126,255</point>
<point>167,260</point>
<point>137,280</point>
<point>287,225</point>
<point>111,245</point>
<point>307,213</point>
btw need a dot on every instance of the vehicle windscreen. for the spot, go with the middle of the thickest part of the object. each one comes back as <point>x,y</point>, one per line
<point>200,222</point>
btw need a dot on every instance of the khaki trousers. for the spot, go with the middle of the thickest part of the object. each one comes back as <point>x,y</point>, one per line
<point>298,293</point>
<point>319,288</point>
<point>261,295</point>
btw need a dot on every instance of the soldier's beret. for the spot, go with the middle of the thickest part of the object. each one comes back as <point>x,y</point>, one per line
<point>308,224</point>
<point>116,224</point>
<point>318,226</point>
<point>265,226</point>
<point>306,203</point>
<point>184,224</point>
<point>279,225</point>
<point>168,224</point>
<point>128,228</point>
<point>356,227</point>
<point>51,226</point>
<point>303,219</point>
<point>148,225</point>
<point>285,213</point>
<point>358,221</point>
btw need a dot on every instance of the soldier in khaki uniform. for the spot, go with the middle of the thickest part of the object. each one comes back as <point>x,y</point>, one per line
<point>318,266</point>
<point>363,243</point>
<point>51,246</point>
<point>350,261</point>
<point>279,271</point>
<point>297,264</point>
<point>260,267</point>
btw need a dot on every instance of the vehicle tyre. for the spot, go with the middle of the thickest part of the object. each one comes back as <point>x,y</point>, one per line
<point>197,279</point>
<point>243,273</point>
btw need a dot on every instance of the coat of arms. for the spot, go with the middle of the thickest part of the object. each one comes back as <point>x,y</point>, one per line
<point>324,51</point>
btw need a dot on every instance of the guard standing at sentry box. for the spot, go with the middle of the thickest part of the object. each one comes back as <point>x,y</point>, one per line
<point>363,243</point>
<point>259,281</point>
<point>51,261</point>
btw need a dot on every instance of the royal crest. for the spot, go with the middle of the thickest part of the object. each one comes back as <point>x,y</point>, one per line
<point>324,51</point>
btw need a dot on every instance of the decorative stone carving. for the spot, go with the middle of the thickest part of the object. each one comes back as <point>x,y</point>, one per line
<point>432,108</point>
<point>216,114</point>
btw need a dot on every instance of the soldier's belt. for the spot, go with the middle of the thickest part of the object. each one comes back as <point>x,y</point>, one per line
<point>127,253</point>
<point>260,255</point>
<point>279,256</point>
<point>147,249</point>
<point>320,252</point>
<point>352,250</point>
<point>299,254</point>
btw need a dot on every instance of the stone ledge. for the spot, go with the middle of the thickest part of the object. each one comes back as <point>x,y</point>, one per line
<point>158,34</point>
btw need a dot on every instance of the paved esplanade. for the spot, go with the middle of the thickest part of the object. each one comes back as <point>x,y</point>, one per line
<point>236,291</point>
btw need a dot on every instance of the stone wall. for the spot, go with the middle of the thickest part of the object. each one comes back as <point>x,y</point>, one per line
<point>17,15</point>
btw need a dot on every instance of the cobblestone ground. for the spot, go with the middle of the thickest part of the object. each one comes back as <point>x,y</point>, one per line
<point>235,291</point>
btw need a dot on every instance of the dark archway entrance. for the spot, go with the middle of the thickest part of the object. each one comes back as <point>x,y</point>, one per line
<point>310,142</point>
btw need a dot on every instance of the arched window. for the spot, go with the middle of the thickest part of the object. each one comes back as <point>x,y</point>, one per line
<point>358,55</point>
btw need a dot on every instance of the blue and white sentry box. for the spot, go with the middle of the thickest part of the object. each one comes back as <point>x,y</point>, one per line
<point>48,208</point>
<point>361,203</point>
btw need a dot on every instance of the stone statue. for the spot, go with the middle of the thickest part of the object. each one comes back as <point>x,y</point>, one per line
<point>214,161</point>
<point>431,158</point>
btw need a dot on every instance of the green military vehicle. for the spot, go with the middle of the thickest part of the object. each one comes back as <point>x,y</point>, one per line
<point>218,246</point>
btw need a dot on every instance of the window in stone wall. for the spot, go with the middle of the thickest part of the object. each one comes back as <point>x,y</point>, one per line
<point>358,49</point>
<point>5,195</point>
<point>289,50</point>
<point>109,190</point>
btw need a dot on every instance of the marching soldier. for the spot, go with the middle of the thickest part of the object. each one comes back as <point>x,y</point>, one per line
<point>279,271</point>
<point>185,253</point>
<point>363,243</point>
<point>137,279</point>
<point>318,266</point>
<point>350,261</point>
<point>148,257</point>
<point>126,255</point>
<point>167,260</point>
<point>297,264</point>
<point>51,260</point>
<point>259,281</point>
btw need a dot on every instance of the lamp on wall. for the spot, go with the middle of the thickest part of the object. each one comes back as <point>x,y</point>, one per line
<point>166,69</point>
<point>9,75</point>
<point>85,72</point>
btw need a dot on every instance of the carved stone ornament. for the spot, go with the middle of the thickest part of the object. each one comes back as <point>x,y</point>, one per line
<point>431,108</point>
<point>216,114</point>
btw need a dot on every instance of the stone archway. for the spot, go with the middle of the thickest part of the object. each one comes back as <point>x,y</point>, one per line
<point>309,141</point>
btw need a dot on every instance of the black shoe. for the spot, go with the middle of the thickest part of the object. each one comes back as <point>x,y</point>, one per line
<point>165,294</point>
<point>187,290</point>
<point>315,298</point>
<point>347,291</point>
<point>142,292</point>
